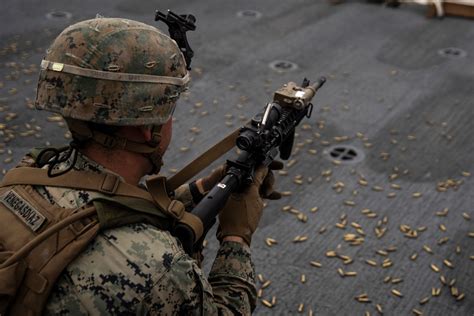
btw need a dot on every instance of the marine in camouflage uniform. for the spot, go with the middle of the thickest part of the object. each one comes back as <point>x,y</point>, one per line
<point>139,269</point>
<point>136,268</point>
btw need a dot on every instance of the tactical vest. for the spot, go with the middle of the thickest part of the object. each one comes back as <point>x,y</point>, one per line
<point>41,239</point>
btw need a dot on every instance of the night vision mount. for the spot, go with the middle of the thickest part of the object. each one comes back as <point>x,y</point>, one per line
<point>178,25</point>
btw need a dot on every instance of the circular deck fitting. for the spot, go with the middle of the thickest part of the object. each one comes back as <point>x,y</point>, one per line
<point>283,65</point>
<point>64,15</point>
<point>249,14</point>
<point>345,154</point>
<point>452,52</point>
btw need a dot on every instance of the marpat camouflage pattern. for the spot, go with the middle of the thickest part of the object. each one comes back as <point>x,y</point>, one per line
<point>139,270</point>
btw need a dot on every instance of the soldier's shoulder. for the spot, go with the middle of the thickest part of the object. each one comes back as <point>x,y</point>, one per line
<point>117,270</point>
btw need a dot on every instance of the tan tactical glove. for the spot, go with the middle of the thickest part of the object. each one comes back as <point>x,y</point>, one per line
<point>242,212</point>
<point>207,183</point>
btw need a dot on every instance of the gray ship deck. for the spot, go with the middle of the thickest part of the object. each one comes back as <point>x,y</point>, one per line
<point>404,108</point>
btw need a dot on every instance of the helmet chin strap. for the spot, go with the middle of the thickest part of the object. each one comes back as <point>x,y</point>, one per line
<point>155,157</point>
<point>82,132</point>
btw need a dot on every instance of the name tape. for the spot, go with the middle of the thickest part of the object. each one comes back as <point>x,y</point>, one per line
<point>23,210</point>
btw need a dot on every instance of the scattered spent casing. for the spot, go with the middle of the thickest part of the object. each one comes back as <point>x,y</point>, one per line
<point>371,262</point>
<point>442,278</point>
<point>391,249</point>
<point>366,211</point>
<point>414,256</point>
<point>387,264</point>
<point>424,300</point>
<point>267,303</point>
<point>460,297</point>
<point>316,264</point>
<point>300,308</point>
<point>443,240</point>
<point>379,308</point>
<point>417,194</point>
<point>435,291</point>
<point>348,261</point>
<point>300,238</point>
<point>427,249</point>
<point>303,278</point>
<point>349,203</point>
<point>443,212</point>
<point>454,291</point>
<point>340,225</point>
<point>397,293</point>
<point>434,268</point>
<point>266,284</point>
<point>417,312</point>
<point>448,263</point>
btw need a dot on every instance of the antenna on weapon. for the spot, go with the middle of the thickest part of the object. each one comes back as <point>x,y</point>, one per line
<point>178,25</point>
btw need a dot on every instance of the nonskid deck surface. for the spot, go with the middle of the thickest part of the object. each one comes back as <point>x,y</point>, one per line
<point>391,227</point>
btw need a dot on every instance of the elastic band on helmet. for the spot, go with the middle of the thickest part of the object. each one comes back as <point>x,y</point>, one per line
<point>114,76</point>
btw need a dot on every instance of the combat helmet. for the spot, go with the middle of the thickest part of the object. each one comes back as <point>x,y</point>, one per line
<point>112,71</point>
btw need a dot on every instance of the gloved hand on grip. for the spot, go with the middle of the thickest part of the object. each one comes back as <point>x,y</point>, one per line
<point>206,183</point>
<point>242,212</point>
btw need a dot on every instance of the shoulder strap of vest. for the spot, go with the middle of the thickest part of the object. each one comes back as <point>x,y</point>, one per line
<point>108,184</point>
<point>156,186</point>
<point>104,183</point>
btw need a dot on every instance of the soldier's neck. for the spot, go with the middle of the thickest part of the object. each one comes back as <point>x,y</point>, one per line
<point>129,165</point>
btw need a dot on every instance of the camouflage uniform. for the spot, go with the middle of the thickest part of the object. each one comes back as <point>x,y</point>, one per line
<point>139,269</point>
<point>124,73</point>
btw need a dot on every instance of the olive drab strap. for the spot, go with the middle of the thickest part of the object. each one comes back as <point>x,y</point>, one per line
<point>157,187</point>
<point>202,161</point>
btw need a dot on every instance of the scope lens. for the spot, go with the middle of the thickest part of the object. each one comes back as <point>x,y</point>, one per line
<point>243,142</point>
